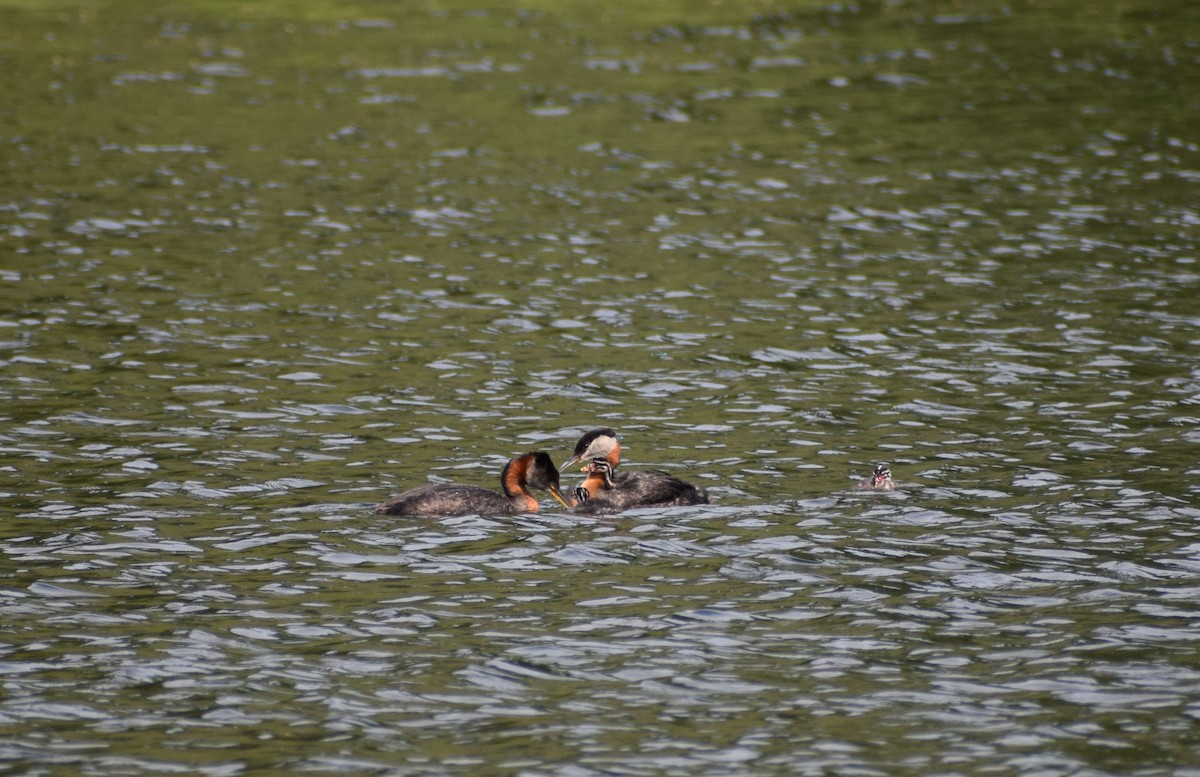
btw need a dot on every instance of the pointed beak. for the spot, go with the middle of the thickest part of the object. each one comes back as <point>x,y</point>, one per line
<point>558,497</point>
<point>568,463</point>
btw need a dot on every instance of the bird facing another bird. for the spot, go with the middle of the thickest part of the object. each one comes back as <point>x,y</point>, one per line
<point>533,470</point>
<point>605,489</point>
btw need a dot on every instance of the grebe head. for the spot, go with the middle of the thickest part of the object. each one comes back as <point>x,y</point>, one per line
<point>882,477</point>
<point>595,444</point>
<point>533,470</point>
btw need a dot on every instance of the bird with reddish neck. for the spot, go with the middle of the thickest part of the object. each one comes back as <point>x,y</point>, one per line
<point>609,490</point>
<point>532,470</point>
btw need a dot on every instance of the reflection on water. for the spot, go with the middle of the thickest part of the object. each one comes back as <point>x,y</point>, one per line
<point>264,269</point>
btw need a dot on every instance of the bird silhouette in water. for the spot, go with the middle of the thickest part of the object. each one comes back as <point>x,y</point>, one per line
<point>609,490</point>
<point>532,470</point>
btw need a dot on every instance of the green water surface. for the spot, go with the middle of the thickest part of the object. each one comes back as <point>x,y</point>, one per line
<point>263,264</point>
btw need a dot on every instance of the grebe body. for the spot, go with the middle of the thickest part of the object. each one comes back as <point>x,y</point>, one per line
<point>620,491</point>
<point>532,470</point>
<point>607,490</point>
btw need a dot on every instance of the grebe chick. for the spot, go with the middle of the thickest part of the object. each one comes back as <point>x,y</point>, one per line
<point>605,490</point>
<point>534,470</point>
<point>880,480</point>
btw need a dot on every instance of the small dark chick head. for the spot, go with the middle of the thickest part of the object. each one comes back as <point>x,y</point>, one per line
<point>598,442</point>
<point>601,468</point>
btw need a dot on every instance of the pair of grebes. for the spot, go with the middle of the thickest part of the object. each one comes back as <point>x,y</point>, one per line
<point>604,490</point>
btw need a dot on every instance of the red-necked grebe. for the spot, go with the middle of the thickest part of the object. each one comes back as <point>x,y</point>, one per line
<point>533,470</point>
<point>606,490</point>
<point>880,480</point>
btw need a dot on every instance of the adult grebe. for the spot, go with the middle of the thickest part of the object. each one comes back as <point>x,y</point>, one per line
<point>605,490</point>
<point>443,499</point>
<point>594,444</point>
<point>880,480</point>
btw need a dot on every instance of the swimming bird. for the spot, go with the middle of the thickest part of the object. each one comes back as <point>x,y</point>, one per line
<point>880,480</point>
<point>534,470</point>
<point>593,444</point>
<point>605,490</point>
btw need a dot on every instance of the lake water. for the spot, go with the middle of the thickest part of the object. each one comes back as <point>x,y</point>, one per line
<point>263,265</point>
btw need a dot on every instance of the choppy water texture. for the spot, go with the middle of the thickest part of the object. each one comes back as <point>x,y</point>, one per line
<point>264,265</point>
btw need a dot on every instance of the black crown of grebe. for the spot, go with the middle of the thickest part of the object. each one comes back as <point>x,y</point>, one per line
<point>533,470</point>
<point>880,480</point>
<point>606,490</point>
<point>598,442</point>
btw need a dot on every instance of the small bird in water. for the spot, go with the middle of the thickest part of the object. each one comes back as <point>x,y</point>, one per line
<point>533,470</point>
<point>880,480</point>
<point>605,490</point>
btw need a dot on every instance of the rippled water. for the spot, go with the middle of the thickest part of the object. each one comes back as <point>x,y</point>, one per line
<point>265,265</point>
